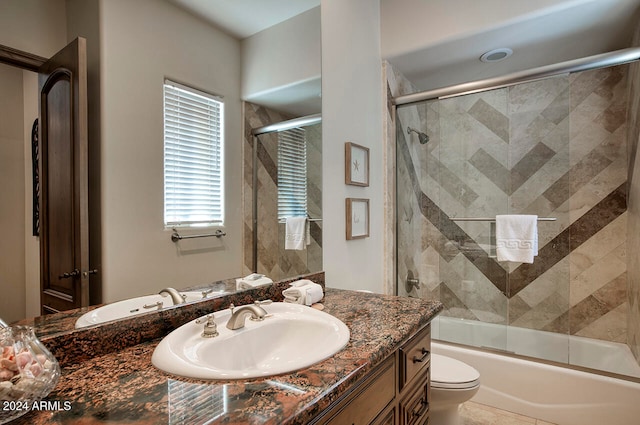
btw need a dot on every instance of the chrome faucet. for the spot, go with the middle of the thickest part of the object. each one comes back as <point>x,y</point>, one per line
<point>238,315</point>
<point>175,295</point>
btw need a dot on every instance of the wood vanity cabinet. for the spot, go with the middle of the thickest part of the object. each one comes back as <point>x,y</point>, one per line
<point>396,392</point>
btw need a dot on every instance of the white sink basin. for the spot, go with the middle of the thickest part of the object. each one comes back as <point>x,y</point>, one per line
<point>130,307</point>
<point>291,337</point>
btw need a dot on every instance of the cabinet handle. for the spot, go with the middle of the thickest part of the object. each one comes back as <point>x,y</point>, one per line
<point>425,354</point>
<point>424,405</point>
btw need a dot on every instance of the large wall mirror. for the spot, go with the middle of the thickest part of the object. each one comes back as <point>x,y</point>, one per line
<point>266,67</point>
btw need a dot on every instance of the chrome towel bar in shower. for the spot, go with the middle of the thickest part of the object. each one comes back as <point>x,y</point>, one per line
<point>175,236</point>
<point>309,219</point>
<point>493,219</point>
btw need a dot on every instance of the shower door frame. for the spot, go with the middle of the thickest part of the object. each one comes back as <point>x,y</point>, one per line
<point>605,60</point>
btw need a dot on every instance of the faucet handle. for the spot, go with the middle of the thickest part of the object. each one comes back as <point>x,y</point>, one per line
<point>157,305</point>
<point>210,327</point>
<point>203,319</point>
<point>264,302</point>
<point>206,292</point>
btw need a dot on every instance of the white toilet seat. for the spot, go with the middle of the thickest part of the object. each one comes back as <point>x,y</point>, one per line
<point>448,373</point>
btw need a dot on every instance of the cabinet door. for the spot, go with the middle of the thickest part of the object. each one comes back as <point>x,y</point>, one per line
<point>414,407</point>
<point>368,400</point>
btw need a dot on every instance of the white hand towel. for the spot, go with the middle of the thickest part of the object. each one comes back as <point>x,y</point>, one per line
<point>303,292</point>
<point>295,233</point>
<point>252,281</point>
<point>517,238</point>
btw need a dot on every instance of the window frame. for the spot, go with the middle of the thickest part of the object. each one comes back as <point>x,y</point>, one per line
<point>218,154</point>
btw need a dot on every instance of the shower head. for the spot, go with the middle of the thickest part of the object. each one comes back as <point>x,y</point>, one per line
<point>423,138</point>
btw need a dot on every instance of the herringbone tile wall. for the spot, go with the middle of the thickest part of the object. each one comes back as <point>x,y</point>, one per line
<point>556,148</point>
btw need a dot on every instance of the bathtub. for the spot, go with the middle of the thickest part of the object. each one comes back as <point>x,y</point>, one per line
<point>591,353</point>
<point>552,393</point>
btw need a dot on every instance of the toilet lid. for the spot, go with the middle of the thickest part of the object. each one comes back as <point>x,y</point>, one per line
<point>451,373</point>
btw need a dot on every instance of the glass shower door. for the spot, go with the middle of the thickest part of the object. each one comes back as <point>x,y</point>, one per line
<point>504,151</point>
<point>440,184</point>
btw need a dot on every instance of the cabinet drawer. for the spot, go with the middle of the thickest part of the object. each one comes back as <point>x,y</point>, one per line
<point>414,408</point>
<point>370,399</point>
<point>414,356</point>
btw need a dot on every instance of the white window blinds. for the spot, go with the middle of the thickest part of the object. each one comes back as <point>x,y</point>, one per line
<point>292,173</point>
<point>193,157</point>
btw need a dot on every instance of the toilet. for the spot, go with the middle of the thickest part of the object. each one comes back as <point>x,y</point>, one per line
<point>452,383</point>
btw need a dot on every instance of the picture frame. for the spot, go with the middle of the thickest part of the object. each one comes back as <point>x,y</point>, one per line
<point>357,218</point>
<point>356,164</point>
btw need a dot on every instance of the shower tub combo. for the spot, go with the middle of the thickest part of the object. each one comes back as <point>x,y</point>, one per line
<point>548,338</point>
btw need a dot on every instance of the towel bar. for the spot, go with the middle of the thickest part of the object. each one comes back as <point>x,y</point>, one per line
<point>175,236</point>
<point>309,219</point>
<point>494,219</point>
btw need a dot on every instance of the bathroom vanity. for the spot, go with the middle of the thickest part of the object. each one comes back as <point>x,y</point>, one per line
<point>380,377</point>
<point>395,392</point>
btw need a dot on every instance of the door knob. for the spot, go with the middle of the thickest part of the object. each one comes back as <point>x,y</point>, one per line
<point>74,273</point>
<point>88,272</point>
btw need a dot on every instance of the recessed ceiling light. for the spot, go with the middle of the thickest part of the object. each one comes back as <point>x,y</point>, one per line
<point>496,55</point>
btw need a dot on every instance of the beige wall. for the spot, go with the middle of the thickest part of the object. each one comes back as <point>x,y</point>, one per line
<point>142,43</point>
<point>12,166</point>
<point>36,26</point>
<point>285,59</point>
<point>351,112</point>
<point>282,55</point>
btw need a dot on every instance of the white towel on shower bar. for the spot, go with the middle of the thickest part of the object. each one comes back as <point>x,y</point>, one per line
<point>516,237</point>
<point>295,236</point>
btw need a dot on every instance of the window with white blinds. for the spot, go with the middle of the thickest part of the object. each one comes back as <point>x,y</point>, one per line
<point>292,173</point>
<point>193,157</point>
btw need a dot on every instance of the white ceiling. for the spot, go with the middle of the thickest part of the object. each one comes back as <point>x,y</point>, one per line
<point>244,18</point>
<point>437,43</point>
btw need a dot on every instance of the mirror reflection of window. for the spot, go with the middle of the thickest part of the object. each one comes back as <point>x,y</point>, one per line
<point>292,173</point>
<point>196,404</point>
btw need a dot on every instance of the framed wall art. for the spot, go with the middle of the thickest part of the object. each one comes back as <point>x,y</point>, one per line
<point>357,218</point>
<point>356,164</point>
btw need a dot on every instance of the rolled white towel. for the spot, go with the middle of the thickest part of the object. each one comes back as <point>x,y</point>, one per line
<point>252,281</point>
<point>303,292</point>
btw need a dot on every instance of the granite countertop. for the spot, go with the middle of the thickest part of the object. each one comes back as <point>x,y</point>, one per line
<point>124,387</point>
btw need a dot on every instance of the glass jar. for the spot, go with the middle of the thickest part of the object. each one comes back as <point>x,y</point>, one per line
<point>28,371</point>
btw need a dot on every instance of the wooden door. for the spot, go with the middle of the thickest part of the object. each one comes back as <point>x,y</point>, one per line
<point>64,218</point>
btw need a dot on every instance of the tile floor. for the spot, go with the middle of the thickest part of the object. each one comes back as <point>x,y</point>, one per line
<point>478,414</point>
